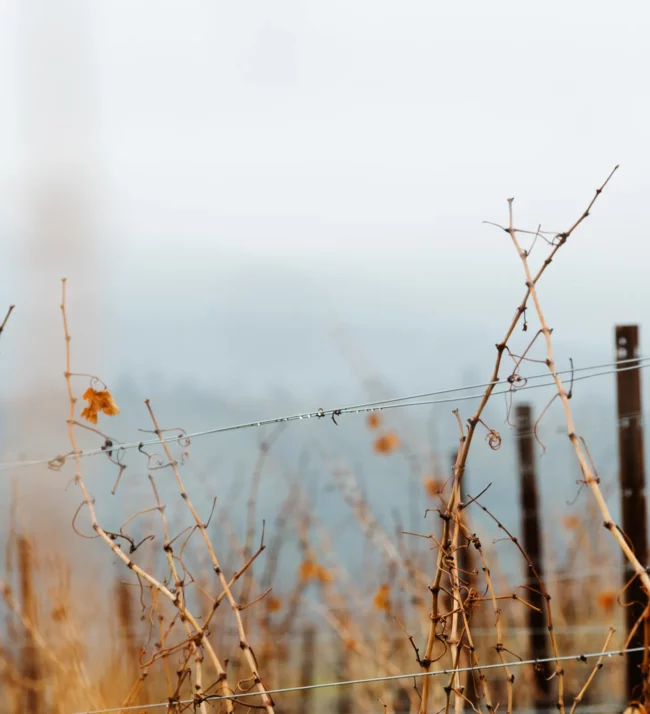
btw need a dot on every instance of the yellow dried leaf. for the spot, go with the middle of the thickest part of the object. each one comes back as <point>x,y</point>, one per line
<point>324,575</point>
<point>98,401</point>
<point>59,613</point>
<point>108,404</point>
<point>309,570</point>
<point>89,414</point>
<point>433,486</point>
<point>273,604</point>
<point>374,420</point>
<point>571,522</point>
<point>606,600</point>
<point>381,600</point>
<point>387,443</point>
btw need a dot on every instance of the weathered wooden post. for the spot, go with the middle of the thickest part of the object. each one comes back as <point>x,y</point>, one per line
<point>633,498</point>
<point>532,543</point>
<point>307,668</point>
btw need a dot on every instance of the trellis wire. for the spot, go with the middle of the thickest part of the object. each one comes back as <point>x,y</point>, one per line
<point>372,680</point>
<point>611,708</point>
<point>476,632</point>
<point>393,403</point>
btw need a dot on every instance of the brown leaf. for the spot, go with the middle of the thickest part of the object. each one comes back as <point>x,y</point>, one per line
<point>571,522</point>
<point>309,570</point>
<point>387,443</point>
<point>606,600</point>
<point>373,420</point>
<point>381,601</point>
<point>98,401</point>
<point>433,486</point>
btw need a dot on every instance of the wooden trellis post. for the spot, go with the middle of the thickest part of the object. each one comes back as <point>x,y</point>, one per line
<point>633,497</point>
<point>532,543</point>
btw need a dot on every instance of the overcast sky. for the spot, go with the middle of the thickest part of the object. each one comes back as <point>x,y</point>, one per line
<point>259,205</point>
<point>225,184</point>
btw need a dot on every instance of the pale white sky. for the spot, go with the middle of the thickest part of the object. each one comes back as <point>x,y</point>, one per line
<point>229,178</point>
<point>223,182</point>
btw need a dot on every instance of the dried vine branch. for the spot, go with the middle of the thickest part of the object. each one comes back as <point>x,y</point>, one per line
<point>174,598</point>
<point>449,514</point>
<point>592,481</point>
<point>243,642</point>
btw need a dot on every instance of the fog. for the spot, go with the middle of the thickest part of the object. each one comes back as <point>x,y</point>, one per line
<point>262,206</point>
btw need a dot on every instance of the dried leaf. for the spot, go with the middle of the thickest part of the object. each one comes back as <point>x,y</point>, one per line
<point>434,487</point>
<point>98,401</point>
<point>373,420</point>
<point>387,443</point>
<point>571,522</point>
<point>381,600</point>
<point>607,600</point>
<point>309,570</point>
<point>324,576</point>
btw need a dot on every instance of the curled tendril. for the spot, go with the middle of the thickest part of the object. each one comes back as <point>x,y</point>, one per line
<point>57,463</point>
<point>184,441</point>
<point>493,438</point>
<point>156,462</point>
<point>142,451</point>
<point>74,519</point>
<point>96,381</point>
<point>516,381</point>
<point>115,456</point>
<point>580,484</point>
<point>180,436</point>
